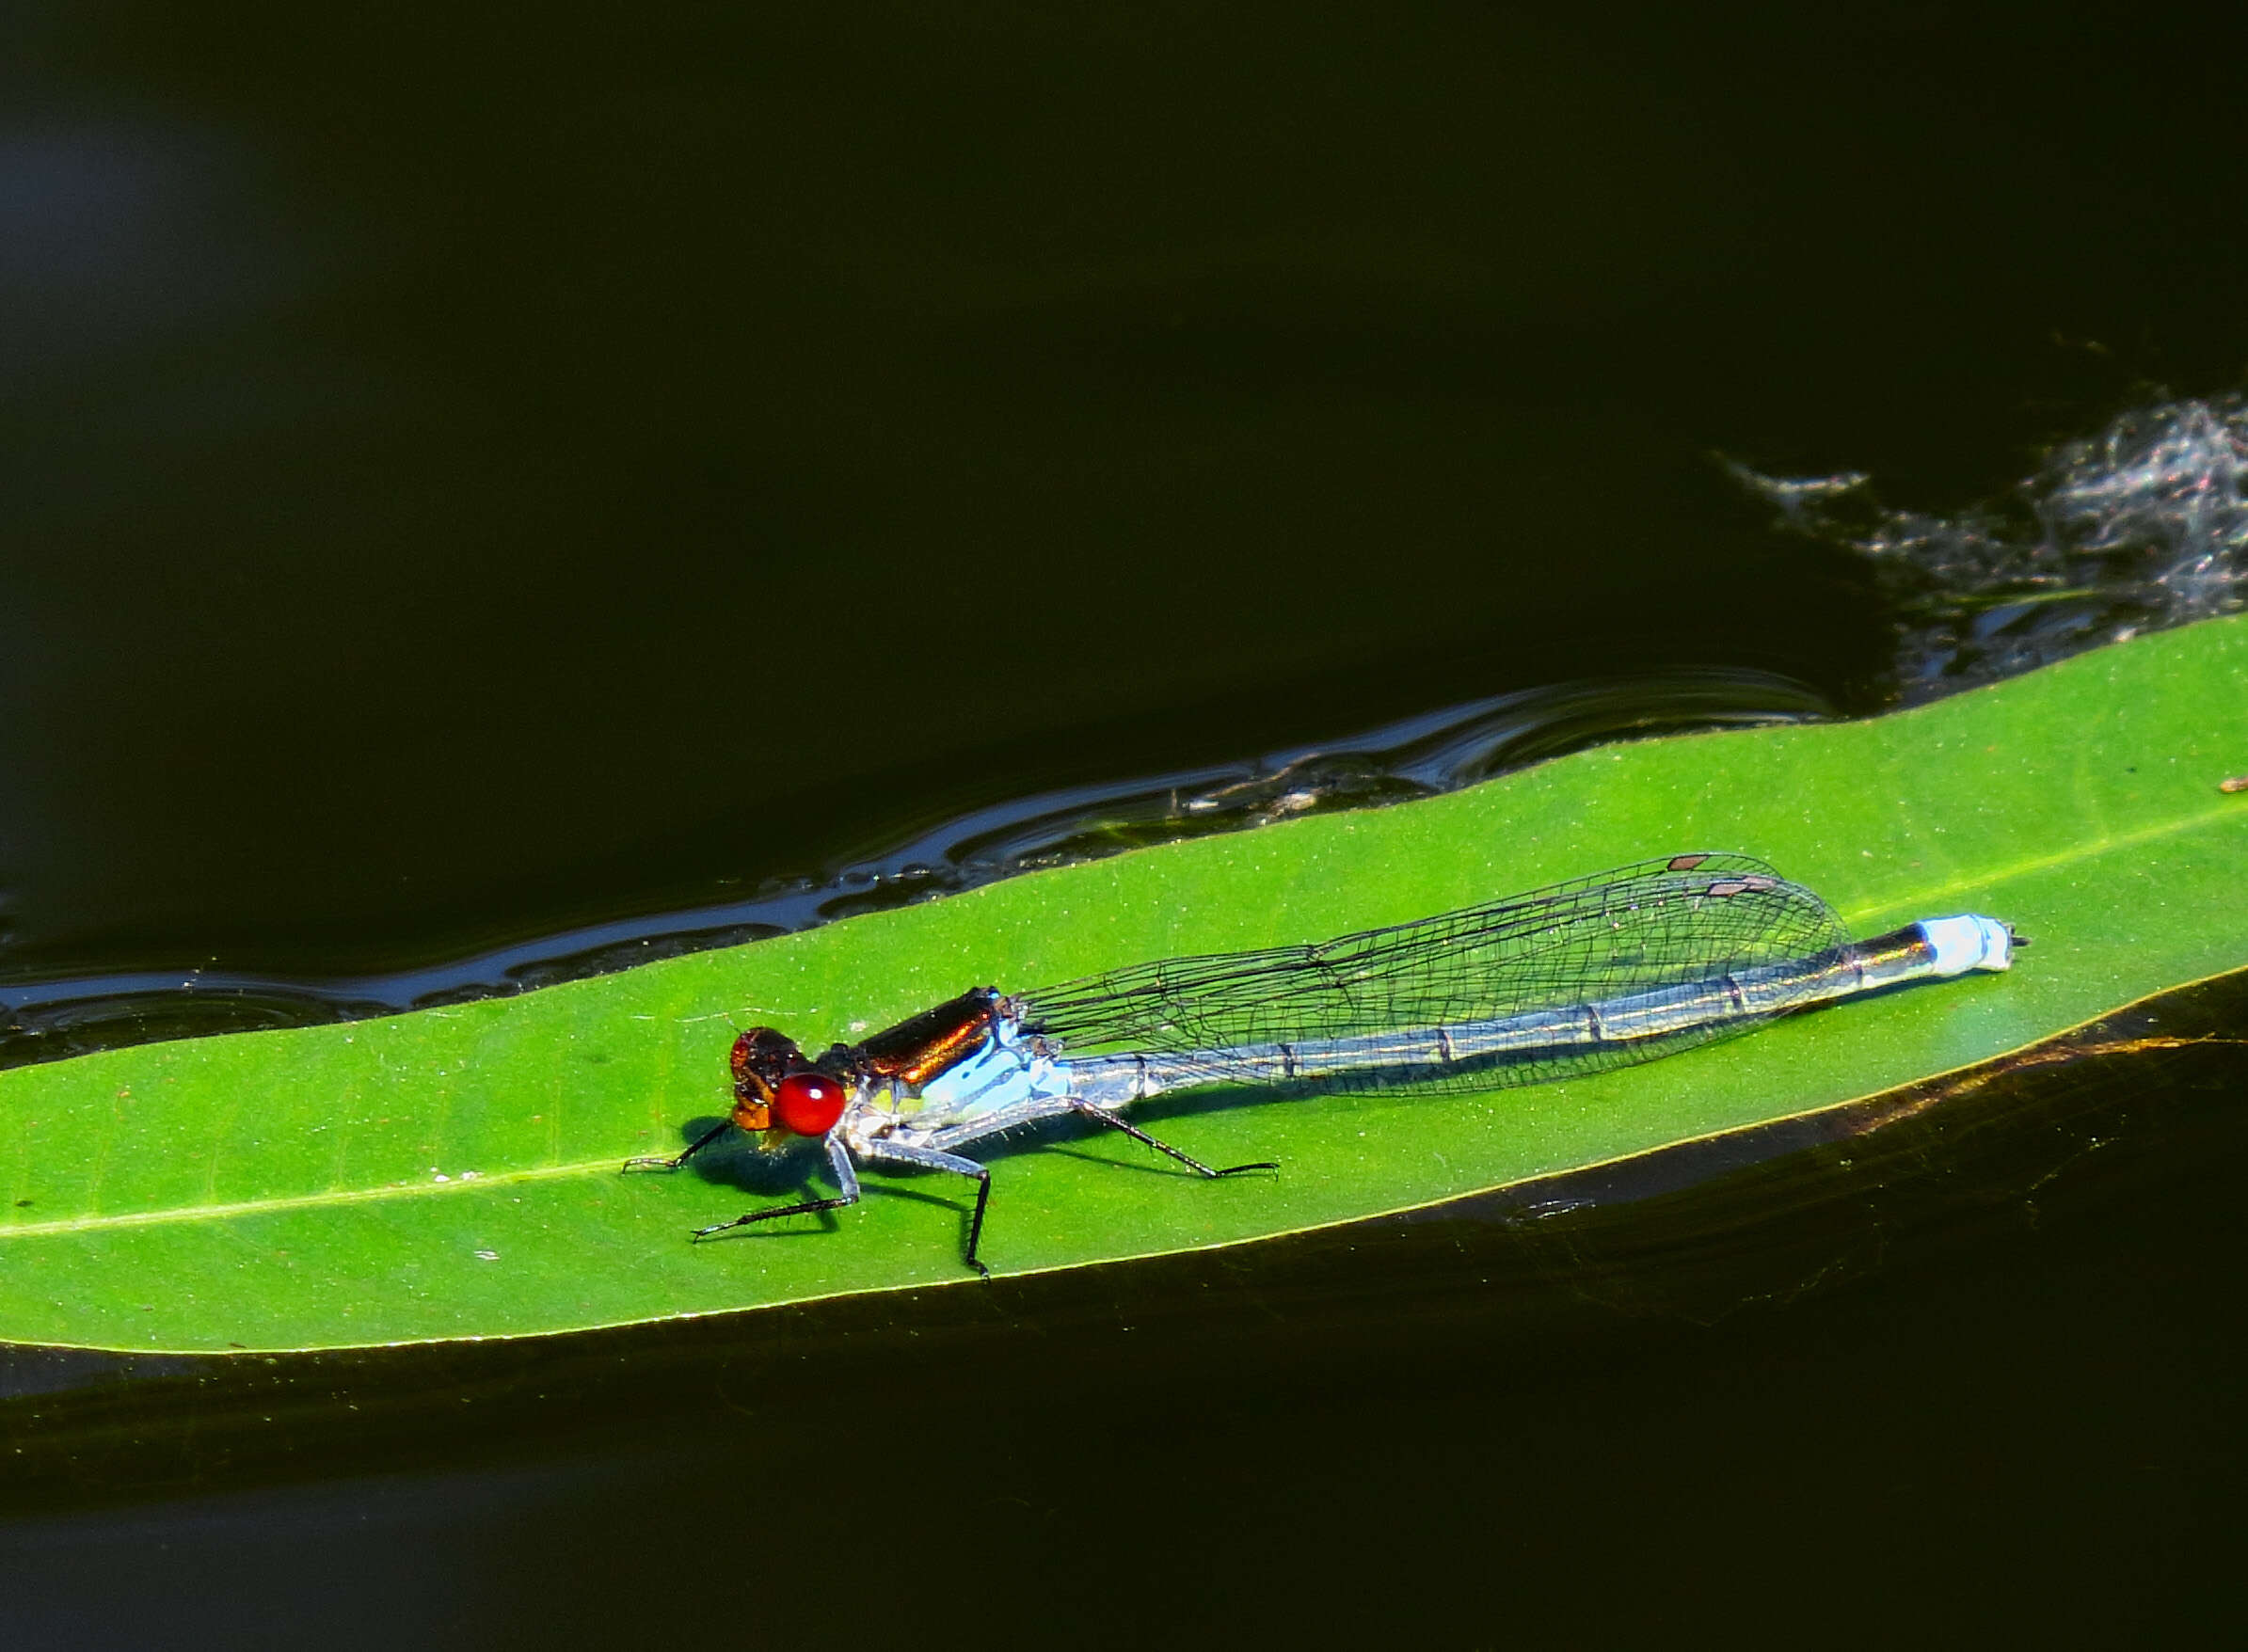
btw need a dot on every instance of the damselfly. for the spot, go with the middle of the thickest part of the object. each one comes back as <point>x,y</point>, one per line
<point>1596,973</point>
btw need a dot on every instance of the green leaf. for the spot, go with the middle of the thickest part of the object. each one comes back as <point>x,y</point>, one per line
<point>454,1172</point>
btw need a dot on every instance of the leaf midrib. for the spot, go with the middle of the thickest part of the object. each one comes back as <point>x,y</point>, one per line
<point>2105,844</point>
<point>479,1183</point>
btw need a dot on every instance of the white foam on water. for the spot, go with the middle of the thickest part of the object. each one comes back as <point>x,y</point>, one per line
<point>2142,526</point>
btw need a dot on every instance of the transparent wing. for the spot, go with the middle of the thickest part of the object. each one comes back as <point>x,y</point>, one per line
<point>1663,923</point>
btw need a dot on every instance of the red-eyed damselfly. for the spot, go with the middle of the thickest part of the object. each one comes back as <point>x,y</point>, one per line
<point>1598,972</point>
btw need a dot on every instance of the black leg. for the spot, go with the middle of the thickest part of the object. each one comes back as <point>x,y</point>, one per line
<point>693,1147</point>
<point>839,1160</point>
<point>1101,1116</point>
<point>927,1158</point>
<point>804,1208</point>
<point>975,1223</point>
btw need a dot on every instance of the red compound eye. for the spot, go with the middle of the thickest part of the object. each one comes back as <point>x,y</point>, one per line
<point>808,1103</point>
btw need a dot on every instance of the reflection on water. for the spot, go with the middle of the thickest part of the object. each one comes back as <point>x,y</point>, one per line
<point>116,231</point>
<point>1417,757</point>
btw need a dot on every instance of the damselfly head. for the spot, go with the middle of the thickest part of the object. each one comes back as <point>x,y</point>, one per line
<point>761,1058</point>
<point>776,1088</point>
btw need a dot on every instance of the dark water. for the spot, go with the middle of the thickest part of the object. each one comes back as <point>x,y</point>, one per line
<point>473,479</point>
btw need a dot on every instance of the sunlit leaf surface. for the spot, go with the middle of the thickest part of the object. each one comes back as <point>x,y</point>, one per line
<point>454,1172</point>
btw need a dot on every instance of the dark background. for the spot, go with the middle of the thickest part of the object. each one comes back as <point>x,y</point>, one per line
<point>467,472</point>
